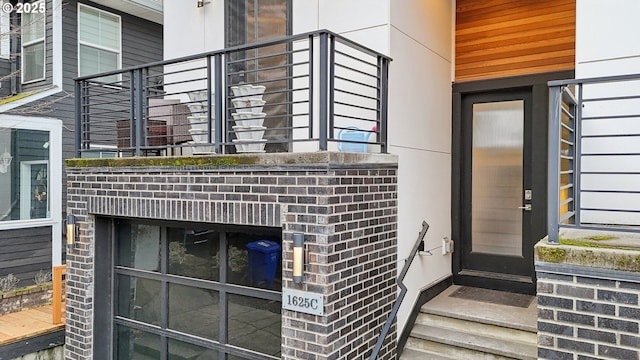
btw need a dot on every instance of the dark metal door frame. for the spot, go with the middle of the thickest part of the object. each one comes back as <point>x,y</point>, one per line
<point>536,86</point>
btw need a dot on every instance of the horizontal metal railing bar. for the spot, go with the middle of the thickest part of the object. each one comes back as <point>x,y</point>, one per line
<point>566,172</point>
<point>568,215</point>
<point>583,190</point>
<point>98,103</point>
<point>169,83</point>
<point>585,154</point>
<point>343,116</point>
<point>356,94</point>
<point>610,135</point>
<point>621,228</point>
<point>611,117</point>
<point>269,55</point>
<point>566,142</point>
<point>604,79</point>
<point>568,97</point>
<point>351,57</point>
<point>567,201</point>
<point>269,68</point>
<point>565,126</point>
<point>630,97</point>
<point>373,76</point>
<point>567,113</point>
<point>356,82</point>
<point>566,157</point>
<point>567,186</point>
<point>610,210</point>
<point>610,172</point>
<point>356,106</point>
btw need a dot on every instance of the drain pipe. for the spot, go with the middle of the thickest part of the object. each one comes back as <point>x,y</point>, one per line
<point>403,291</point>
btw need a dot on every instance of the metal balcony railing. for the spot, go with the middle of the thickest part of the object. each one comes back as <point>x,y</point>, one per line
<point>594,154</point>
<point>308,92</point>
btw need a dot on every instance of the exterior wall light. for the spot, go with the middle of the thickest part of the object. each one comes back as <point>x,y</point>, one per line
<point>298,258</point>
<point>5,161</point>
<point>202,3</point>
<point>72,231</point>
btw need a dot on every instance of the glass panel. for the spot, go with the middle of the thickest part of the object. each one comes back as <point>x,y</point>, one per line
<point>498,133</point>
<point>139,246</point>
<point>99,28</point>
<point>24,174</point>
<point>255,324</point>
<point>254,260</point>
<point>138,299</point>
<point>179,350</point>
<point>33,62</point>
<point>132,344</point>
<point>194,311</point>
<point>194,253</point>
<point>32,26</point>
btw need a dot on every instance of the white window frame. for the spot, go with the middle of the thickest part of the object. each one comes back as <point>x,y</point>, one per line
<point>5,41</point>
<point>95,46</point>
<point>33,42</point>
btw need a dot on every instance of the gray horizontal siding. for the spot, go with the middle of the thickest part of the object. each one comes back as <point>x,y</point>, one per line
<point>24,252</point>
<point>5,85</point>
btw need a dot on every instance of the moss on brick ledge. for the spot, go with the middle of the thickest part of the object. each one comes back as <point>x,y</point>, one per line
<point>587,254</point>
<point>271,159</point>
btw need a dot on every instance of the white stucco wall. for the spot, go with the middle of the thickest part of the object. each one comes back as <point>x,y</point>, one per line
<point>420,133</point>
<point>417,34</point>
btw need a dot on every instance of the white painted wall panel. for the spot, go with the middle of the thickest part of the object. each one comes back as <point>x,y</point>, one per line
<point>420,96</point>
<point>606,29</point>
<point>427,22</point>
<point>350,15</point>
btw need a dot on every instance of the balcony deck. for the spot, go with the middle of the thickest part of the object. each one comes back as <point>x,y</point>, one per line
<point>27,324</point>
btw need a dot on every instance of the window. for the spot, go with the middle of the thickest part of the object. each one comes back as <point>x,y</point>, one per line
<point>33,45</point>
<point>194,292</point>
<point>5,36</point>
<point>250,21</point>
<point>99,42</point>
<point>26,175</point>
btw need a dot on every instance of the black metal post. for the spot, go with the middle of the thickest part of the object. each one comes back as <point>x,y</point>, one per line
<point>324,90</point>
<point>137,116</point>
<point>553,185</point>
<point>218,103</point>
<point>311,45</point>
<point>79,97</point>
<point>384,98</point>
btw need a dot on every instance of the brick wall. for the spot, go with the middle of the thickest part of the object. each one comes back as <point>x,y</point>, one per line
<point>345,204</point>
<point>587,313</point>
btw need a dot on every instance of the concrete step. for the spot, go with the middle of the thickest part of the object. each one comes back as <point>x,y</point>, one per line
<point>486,342</point>
<point>477,327</point>
<point>445,351</point>
<point>451,327</point>
<point>486,313</point>
<point>413,354</point>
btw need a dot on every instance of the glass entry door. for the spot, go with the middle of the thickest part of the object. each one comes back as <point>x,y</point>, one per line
<point>497,248</point>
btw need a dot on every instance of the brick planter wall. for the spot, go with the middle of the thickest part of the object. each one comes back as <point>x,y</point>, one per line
<point>587,311</point>
<point>26,298</point>
<point>345,204</point>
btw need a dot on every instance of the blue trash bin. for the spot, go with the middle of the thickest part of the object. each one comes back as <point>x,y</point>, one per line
<point>263,259</point>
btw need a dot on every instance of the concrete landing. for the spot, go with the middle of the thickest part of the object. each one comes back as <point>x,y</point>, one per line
<point>514,317</point>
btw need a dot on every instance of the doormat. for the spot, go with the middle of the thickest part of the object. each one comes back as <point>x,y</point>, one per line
<point>493,296</point>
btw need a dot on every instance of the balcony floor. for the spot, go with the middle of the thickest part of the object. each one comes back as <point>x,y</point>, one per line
<point>27,324</point>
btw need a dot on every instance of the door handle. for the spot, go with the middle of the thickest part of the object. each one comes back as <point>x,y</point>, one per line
<point>526,207</point>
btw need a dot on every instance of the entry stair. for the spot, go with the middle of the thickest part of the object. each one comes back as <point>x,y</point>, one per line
<point>449,328</point>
